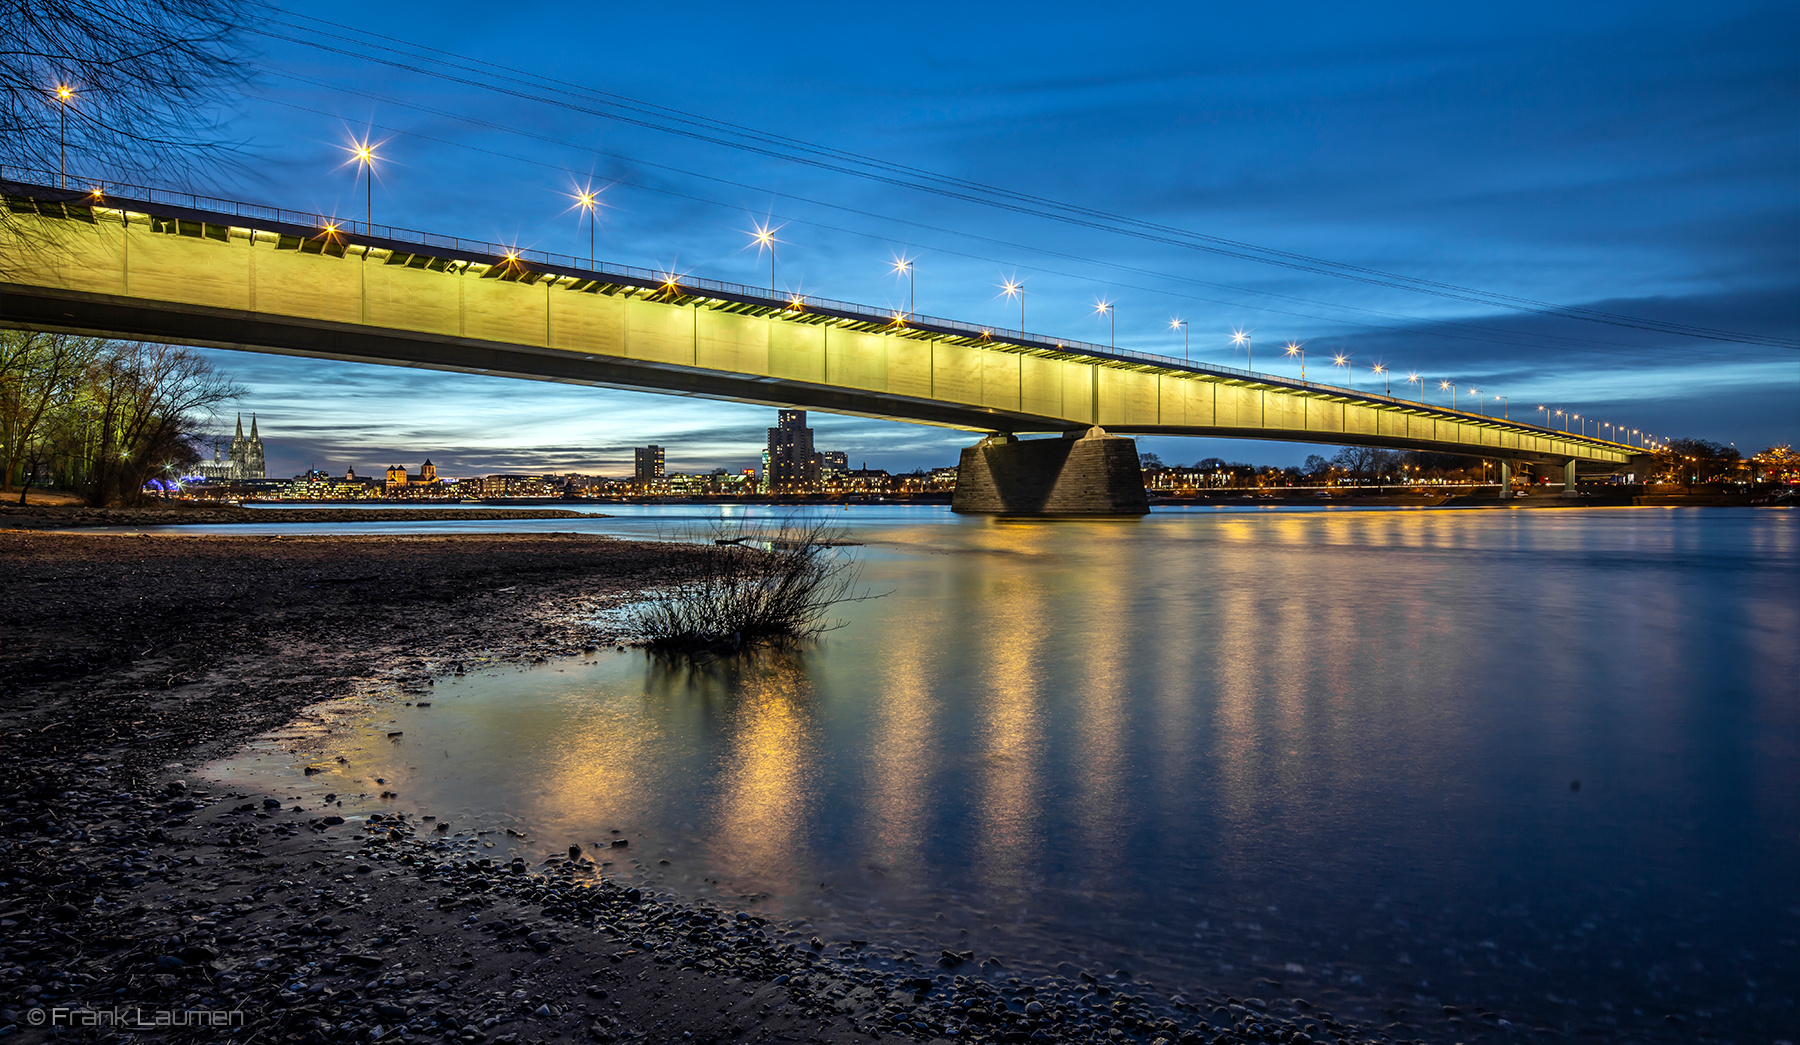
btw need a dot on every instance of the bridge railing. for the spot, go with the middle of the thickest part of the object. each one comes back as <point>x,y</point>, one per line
<point>113,193</point>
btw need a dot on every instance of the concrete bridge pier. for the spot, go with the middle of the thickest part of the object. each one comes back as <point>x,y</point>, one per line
<point>1086,473</point>
<point>1505,480</point>
<point>1569,478</point>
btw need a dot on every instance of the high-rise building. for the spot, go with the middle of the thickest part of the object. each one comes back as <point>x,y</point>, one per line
<point>792,466</point>
<point>649,463</point>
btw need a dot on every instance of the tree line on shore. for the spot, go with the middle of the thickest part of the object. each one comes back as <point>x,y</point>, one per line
<point>101,417</point>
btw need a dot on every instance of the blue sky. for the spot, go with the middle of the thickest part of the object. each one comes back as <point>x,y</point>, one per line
<point>1641,159</point>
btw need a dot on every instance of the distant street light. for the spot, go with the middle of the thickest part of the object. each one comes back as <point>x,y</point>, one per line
<point>589,200</point>
<point>1476,392</point>
<point>1349,374</point>
<point>764,236</point>
<point>904,267</point>
<point>1414,376</point>
<point>1242,337</point>
<point>1105,308</point>
<point>1182,323</point>
<point>64,94</point>
<point>1298,348</point>
<point>1387,387</point>
<point>1506,409</point>
<point>1016,288</point>
<point>1451,386</point>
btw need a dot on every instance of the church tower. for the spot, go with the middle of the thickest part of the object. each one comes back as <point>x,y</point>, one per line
<point>253,454</point>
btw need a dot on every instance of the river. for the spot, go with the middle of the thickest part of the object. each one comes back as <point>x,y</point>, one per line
<point>1544,763</point>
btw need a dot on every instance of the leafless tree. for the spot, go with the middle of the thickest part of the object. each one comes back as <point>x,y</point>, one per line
<point>143,81</point>
<point>40,376</point>
<point>148,402</point>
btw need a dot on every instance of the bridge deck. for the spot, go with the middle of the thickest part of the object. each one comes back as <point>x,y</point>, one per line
<point>235,276</point>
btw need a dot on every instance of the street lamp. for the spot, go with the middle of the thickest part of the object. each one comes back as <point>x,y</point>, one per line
<point>1410,378</point>
<point>1016,287</point>
<point>764,236</point>
<point>64,93</point>
<point>1297,348</point>
<point>1451,386</point>
<point>363,154</point>
<point>1349,375</point>
<point>1387,387</point>
<point>589,200</point>
<point>1105,308</point>
<point>1476,392</point>
<point>1505,410</point>
<point>1181,323</point>
<point>904,267</point>
<point>1242,337</point>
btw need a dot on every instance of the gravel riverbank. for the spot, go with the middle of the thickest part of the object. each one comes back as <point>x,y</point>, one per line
<point>60,517</point>
<point>128,888</point>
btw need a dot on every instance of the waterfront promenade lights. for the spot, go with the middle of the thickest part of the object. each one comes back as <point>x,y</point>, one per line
<point>1016,288</point>
<point>1182,324</point>
<point>1242,337</point>
<point>1449,386</point>
<point>1349,374</point>
<point>1387,386</point>
<point>1105,308</point>
<point>764,236</point>
<point>1296,348</point>
<point>904,267</point>
<point>64,95</point>
<point>589,201</point>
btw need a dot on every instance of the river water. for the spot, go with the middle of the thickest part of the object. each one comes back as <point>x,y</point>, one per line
<point>1545,763</point>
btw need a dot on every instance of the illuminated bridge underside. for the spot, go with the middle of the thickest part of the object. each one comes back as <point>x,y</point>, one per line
<point>191,277</point>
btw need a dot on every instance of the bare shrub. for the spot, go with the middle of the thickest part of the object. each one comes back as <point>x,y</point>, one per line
<point>754,585</point>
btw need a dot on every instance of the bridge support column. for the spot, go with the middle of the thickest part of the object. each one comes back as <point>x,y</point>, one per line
<point>1505,480</point>
<point>1093,474</point>
<point>1569,478</point>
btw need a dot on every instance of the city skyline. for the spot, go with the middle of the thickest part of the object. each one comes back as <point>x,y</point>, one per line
<point>1509,152</point>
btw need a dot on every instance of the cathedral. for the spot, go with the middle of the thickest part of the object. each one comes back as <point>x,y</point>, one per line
<point>246,460</point>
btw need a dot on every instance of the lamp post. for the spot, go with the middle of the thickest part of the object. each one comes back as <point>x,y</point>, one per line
<point>764,236</point>
<point>1242,337</point>
<point>1476,392</point>
<point>1414,376</point>
<point>1182,323</point>
<point>1451,386</point>
<point>589,200</point>
<point>1296,348</point>
<point>1349,374</point>
<point>1105,308</point>
<point>63,95</point>
<point>1505,409</point>
<point>1387,387</point>
<point>364,155</point>
<point>904,266</point>
<point>1012,288</point>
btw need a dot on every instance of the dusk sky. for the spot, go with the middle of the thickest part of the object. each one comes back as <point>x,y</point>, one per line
<point>1637,159</point>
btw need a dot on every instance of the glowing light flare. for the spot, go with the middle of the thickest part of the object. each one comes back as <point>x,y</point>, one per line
<point>1102,307</point>
<point>64,92</point>
<point>1011,288</point>
<point>1293,348</point>
<point>1239,337</point>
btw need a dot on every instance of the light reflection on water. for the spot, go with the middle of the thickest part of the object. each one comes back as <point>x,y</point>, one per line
<point>1329,749</point>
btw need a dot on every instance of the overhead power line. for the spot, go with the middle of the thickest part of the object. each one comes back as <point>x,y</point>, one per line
<point>492,77</point>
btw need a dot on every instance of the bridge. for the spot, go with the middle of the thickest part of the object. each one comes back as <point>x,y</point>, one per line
<point>191,270</point>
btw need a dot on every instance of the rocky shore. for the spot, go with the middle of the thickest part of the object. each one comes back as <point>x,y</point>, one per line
<point>58,517</point>
<point>132,892</point>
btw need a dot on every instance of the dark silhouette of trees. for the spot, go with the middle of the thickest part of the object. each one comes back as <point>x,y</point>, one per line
<point>143,79</point>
